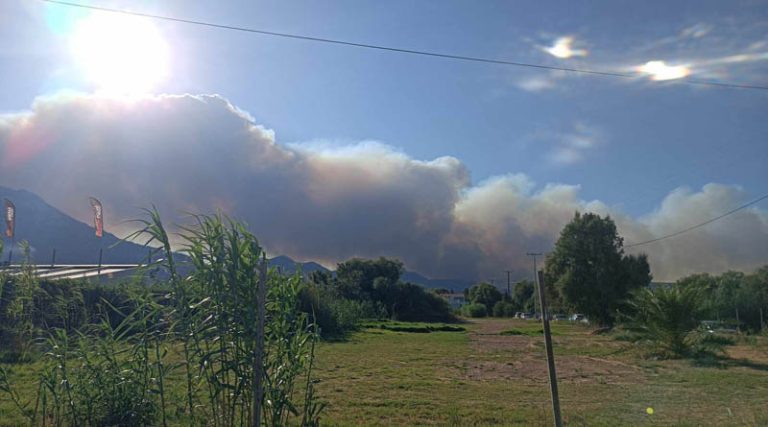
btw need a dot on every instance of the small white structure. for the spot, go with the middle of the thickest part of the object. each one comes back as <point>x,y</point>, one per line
<point>455,300</point>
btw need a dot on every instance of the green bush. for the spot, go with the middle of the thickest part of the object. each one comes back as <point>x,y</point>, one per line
<point>503,309</point>
<point>484,293</point>
<point>375,285</point>
<point>335,315</point>
<point>475,310</point>
<point>668,321</point>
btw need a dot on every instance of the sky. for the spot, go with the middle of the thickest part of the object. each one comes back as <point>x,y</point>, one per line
<point>456,167</point>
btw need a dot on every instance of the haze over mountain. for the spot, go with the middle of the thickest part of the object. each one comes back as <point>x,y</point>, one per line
<point>47,228</point>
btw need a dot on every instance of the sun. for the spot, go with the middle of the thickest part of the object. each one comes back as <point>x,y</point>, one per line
<point>120,54</point>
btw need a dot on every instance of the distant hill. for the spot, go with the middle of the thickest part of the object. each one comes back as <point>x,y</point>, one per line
<point>288,265</point>
<point>451,284</point>
<point>47,228</point>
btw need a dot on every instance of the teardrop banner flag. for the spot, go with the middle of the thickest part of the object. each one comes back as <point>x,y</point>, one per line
<point>98,216</point>
<point>10,218</point>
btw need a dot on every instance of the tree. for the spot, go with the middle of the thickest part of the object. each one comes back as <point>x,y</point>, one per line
<point>485,294</point>
<point>668,319</point>
<point>524,297</point>
<point>729,286</point>
<point>706,286</point>
<point>733,292</point>
<point>474,310</point>
<point>356,276</point>
<point>321,278</point>
<point>503,308</point>
<point>589,269</point>
<point>377,283</point>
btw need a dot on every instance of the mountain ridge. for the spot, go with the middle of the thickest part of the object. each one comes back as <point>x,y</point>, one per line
<point>47,228</point>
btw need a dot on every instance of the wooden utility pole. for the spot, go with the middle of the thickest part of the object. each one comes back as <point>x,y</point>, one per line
<point>539,278</point>
<point>535,272</point>
<point>509,286</point>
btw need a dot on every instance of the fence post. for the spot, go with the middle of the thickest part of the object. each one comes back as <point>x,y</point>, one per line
<point>550,353</point>
<point>258,370</point>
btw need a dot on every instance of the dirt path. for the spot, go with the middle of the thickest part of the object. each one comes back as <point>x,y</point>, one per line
<point>521,358</point>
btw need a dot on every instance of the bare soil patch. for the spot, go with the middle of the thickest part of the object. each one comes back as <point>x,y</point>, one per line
<point>522,359</point>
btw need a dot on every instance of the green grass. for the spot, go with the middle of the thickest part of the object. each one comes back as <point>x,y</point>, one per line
<point>384,377</point>
<point>413,327</point>
<point>528,332</point>
<point>478,376</point>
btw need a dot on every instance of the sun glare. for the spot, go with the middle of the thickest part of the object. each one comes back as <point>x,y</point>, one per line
<point>119,54</point>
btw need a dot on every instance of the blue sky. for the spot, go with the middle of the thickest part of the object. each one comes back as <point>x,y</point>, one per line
<point>625,142</point>
<point>648,138</point>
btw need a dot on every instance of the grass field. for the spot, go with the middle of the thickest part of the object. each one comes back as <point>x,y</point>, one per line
<point>493,373</point>
<point>489,375</point>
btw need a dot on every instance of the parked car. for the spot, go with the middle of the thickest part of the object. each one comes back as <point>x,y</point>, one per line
<point>579,318</point>
<point>713,326</point>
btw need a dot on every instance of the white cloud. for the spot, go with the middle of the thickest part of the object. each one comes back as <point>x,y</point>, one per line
<point>659,70</point>
<point>696,31</point>
<point>566,155</point>
<point>536,84</point>
<point>563,48</point>
<point>200,153</point>
<point>571,147</point>
<point>540,81</point>
<point>735,52</point>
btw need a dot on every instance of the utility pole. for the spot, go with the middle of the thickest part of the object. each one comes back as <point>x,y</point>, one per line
<point>539,278</point>
<point>509,286</point>
<point>535,274</point>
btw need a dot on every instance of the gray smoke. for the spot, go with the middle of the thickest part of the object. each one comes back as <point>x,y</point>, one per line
<point>202,154</point>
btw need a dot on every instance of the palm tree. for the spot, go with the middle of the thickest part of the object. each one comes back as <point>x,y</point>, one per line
<point>667,318</point>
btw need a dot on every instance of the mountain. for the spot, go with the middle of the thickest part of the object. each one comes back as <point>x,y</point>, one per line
<point>288,265</point>
<point>47,228</point>
<point>451,284</point>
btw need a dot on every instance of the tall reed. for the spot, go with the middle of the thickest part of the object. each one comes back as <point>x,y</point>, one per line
<point>235,372</point>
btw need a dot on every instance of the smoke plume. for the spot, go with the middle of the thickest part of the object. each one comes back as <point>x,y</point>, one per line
<point>201,154</point>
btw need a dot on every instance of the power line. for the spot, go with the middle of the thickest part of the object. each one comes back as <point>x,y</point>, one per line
<point>677,233</point>
<point>396,49</point>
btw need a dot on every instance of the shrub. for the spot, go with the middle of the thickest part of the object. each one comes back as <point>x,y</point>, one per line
<point>668,320</point>
<point>416,304</point>
<point>335,315</point>
<point>486,294</point>
<point>475,310</point>
<point>503,309</point>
